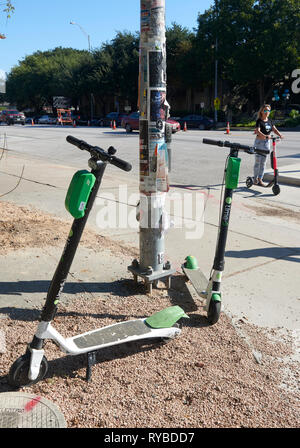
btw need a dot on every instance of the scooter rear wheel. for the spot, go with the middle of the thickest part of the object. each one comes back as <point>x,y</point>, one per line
<point>249,182</point>
<point>18,374</point>
<point>276,189</point>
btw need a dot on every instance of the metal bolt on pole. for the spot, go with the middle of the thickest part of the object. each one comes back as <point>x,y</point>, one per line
<point>154,146</point>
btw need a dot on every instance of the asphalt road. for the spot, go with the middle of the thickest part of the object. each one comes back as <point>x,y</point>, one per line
<point>193,163</point>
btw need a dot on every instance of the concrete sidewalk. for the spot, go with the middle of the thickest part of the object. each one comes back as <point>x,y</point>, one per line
<point>261,278</point>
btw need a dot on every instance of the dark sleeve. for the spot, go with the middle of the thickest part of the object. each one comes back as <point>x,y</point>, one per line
<point>257,124</point>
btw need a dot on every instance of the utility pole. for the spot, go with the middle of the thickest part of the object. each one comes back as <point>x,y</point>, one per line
<point>154,148</point>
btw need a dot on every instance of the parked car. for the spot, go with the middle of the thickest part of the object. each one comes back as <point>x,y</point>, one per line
<point>112,116</point>
<point>196,122</point>
<point>79,120</point>
<point>95,122</point>
<point>47,119</point>
<point>132,123</point>
<point>12,116</point>
<point>175,124</point>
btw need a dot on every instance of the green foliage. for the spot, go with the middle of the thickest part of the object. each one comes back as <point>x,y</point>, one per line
<point>111,70</point>
<point>292,122</point>
<point>294,114</point>
<point>9,8</point>
<point>258,45</point>
<point>258,42</point>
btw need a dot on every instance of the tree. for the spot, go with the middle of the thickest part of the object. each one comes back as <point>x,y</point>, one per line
<point>180,64</point>
<point>258,41</point>
<point>8,9</point>
<point>42,75</point>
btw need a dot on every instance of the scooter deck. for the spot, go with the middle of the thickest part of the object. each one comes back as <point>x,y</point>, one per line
<point>114,333</point>
<point>159,325</point>
<point>198,280</point>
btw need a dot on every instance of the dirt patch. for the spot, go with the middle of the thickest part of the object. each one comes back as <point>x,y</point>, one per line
<point>22,227</point>
<point>207,377</point>
<point>279,212</point>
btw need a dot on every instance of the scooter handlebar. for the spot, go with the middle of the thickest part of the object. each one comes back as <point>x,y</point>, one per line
<point>237,146</point>
<point>99,153</point>
<point>208,141</point>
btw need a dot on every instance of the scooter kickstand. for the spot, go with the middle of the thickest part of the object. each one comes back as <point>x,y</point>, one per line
<point>91,361</point>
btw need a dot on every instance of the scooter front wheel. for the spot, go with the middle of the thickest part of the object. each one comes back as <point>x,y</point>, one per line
<point>19,372</point>
<point>214,311</point>
<point>249,182</point>
<point>276,189</point>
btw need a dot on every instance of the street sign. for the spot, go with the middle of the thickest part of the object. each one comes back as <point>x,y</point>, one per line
<point>61,102</point>
<point>217,103</point>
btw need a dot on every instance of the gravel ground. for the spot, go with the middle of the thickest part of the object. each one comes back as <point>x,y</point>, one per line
<point>231,375</point>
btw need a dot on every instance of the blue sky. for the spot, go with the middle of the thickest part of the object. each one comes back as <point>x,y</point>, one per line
<point>43,25</point>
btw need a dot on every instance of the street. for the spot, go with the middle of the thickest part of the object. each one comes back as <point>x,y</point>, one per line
<point>192,161</point>
<point>261,278</point>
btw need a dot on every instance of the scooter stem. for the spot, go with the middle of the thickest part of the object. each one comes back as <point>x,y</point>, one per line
<point>69,251</point>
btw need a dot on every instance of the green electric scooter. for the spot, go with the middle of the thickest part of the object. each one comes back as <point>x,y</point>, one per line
<point>211,289</point>
<point>161,326</point>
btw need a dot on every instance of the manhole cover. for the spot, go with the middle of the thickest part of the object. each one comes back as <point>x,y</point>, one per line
<point>20,410</point>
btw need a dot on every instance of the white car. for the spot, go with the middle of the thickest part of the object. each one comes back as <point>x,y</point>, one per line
<point>46,119</point>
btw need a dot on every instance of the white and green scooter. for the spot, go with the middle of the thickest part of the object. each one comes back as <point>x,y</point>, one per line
<point>161,326</point>
<point>210,289</point>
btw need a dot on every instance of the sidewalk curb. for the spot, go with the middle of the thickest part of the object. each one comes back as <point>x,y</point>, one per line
<point>283,178</point>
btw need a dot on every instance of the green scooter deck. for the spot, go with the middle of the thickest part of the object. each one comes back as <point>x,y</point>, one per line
<point>198,280</point>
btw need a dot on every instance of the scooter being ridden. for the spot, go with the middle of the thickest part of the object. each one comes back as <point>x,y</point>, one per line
<point>162,326</point>
<point>274,182</point>
<point>211,289</point>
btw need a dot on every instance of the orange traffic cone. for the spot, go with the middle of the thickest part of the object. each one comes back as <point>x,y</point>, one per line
<point>227,129</point>
<point>114,125</point>
<point>32,122</point>
<point>185,127</point>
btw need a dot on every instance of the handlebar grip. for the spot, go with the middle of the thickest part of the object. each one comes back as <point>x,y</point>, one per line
<point>125,166</point>
<point>79,143</point>
<point>208,141</point>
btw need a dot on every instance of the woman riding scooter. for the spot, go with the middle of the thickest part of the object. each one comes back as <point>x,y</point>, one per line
<point>263,129</point>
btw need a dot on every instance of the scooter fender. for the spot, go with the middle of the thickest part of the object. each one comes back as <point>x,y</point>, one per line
<point>166,318</point>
